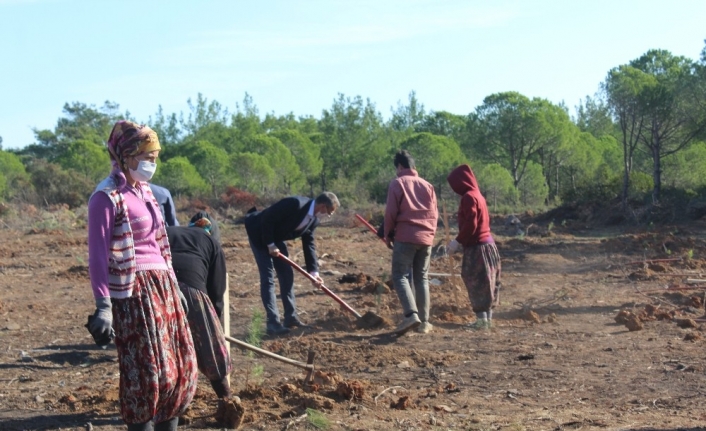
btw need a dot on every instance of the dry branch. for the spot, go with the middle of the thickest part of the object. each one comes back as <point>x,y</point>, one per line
<point>637,262</point>
<point>380,394</point>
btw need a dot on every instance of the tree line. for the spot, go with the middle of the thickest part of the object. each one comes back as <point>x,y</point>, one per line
<point>642,134</point>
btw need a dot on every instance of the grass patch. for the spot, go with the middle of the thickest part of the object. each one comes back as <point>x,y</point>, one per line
<point>255,329</point>
<point>254,337</point>
<point>256,373</point>
<point>317,419</point>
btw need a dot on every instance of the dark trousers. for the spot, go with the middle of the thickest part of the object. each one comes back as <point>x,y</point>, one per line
<point>268,266</point>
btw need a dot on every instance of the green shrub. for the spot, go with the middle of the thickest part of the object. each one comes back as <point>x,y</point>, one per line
<point>54,185</point>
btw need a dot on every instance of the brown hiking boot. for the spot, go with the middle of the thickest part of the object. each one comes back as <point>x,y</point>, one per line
<point>230,413</point>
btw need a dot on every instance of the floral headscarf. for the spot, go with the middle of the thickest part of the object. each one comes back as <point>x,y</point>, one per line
<point>203,223</point>
<point>129,139</point>
<point>203,220</point>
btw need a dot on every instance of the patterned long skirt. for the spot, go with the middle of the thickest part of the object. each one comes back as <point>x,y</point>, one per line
<point>209,339</point>
<point>158,373</point>
<point>481,274</point>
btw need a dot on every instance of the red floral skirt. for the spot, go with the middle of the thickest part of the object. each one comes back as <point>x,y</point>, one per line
<point>480,271</point>
<point>158,372</point>
<point>209,339</point>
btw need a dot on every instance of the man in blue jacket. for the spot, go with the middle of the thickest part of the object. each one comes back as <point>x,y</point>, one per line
<point>290,218</point>
<point>166,204</point>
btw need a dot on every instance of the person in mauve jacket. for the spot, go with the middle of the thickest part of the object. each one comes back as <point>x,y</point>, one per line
<point>411,213</point>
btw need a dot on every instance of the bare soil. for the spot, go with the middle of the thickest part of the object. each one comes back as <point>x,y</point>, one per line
<point>589,335</point>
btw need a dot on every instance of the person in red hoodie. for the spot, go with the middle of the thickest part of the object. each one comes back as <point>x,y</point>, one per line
<point>481,261</point>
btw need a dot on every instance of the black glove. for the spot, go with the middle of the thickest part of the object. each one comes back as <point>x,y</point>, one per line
<point>100,324</point>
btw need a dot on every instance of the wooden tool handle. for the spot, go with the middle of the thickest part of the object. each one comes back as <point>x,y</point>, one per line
<point>325,289</point>
<point>371,227</point>
<point>270,354</point>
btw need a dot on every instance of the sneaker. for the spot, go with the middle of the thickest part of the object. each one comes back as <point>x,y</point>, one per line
<point>276,328</point>
<point>407,324</point>
<point>425,328</point>
<point>294,323</point>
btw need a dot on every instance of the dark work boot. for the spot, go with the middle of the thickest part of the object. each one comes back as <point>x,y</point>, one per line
<point>147,426</point>
<point>168,425</point>
<point>276,328</point>
<point>294,322</point>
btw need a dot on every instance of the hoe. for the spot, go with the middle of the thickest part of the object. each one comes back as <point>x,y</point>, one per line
<point>369,320</point>
<point>309,366</point>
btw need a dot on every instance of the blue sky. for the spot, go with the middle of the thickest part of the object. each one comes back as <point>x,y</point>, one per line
<point>296,56</point>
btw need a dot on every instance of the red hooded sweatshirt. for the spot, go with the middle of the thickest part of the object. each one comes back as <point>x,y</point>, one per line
<point>473,218</point>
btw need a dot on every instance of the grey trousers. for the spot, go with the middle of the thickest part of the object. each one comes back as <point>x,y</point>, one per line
<point>417,256</point>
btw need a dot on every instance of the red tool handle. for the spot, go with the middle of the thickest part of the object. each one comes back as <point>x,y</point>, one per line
<point>372,229</point>
<point>325,289</point>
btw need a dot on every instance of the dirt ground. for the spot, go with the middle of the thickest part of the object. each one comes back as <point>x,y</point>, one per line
<point>556,358</point>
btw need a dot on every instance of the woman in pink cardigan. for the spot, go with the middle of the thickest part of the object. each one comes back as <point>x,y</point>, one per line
<point>135,288</point>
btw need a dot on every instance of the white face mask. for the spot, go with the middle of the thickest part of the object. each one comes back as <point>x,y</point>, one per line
<point>323,215</point>
<point>144,171</point>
